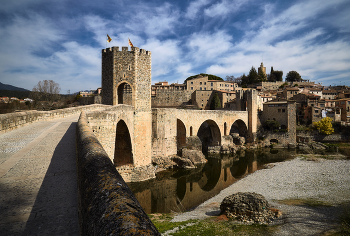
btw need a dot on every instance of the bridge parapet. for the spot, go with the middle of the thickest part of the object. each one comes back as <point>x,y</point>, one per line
<point>106,204</point>
<point>15,120</point>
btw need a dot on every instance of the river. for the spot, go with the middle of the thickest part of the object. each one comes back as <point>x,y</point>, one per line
<point>181,190</point>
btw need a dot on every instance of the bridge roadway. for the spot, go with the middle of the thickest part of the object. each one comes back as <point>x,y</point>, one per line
<point>38,181</point>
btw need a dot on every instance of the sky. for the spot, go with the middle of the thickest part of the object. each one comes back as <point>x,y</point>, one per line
<point>62,40</point>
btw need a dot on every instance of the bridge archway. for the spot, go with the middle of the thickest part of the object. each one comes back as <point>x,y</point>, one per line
<point>123,148</point>
<point>180,134</point>
<point>210,135</point>
<point>125,94</point>
<point>240,128</point>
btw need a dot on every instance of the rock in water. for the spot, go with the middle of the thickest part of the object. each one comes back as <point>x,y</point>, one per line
<point>247,207</point>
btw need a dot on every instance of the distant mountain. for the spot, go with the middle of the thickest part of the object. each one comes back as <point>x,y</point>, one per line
<point>10,87</point>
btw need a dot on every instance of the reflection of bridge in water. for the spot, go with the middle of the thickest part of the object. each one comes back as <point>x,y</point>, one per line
<point>188,191</point>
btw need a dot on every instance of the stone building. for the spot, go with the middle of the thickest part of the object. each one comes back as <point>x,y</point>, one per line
<point>202,83</point>
<point>202,98</point>
<point>173,95</point>
<point>288,93</point>
<point>284,112</point>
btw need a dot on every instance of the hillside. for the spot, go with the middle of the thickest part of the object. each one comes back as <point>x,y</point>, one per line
<point>10,87</point>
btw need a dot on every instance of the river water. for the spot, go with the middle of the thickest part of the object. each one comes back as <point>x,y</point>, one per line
<point>181,190</point>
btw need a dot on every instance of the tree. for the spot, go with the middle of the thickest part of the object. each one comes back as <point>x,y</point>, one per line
<point>230,78</point>
<point>275,75</point>
<point>253,76</point>
<point>215,102</point>
<point>46,90</point>
<point>271,125</point>
<point>262,77</point>
<point>324,126</point>
<point>293,76</point>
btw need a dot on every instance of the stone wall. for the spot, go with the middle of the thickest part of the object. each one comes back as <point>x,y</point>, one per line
<point>90,100</point>
<point>15,120</point>
<point>170,98</point>
<point>106,204</point>
<point>309,136</point>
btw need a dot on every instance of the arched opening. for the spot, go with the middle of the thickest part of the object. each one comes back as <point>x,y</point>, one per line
<point>209,134</point>
<point>123,148</point>
<point>273,141</point>
<point>191,131</point>
<point>225,128</point>
<point>180,134</point>
<point>238,129</point>
<point>124,93</point>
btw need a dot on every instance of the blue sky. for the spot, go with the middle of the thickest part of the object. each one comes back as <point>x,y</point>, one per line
<point>61,40</point>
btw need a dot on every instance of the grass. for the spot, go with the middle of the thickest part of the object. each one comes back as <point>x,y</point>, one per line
<point>209,226</point>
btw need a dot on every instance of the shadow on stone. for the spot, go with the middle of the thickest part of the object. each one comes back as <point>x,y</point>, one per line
<point>55,211</point>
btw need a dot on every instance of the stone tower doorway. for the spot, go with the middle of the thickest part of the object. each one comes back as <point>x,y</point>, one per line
<point>125,94</point>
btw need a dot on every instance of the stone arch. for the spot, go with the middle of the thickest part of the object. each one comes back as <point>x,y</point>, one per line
<point>239,127</point>
<point>125,93</point>
<point>209,134</point>
<point>180,134</point>
<point>191,131</point>
<point>123,148</point>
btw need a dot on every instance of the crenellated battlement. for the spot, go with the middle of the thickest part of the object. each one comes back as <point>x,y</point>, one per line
<point>126,49</point>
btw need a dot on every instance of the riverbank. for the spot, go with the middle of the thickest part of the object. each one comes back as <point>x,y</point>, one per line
<point>309,190</point>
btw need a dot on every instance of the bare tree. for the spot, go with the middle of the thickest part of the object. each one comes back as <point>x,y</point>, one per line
<point>47,90</point>
<point>48,87</point>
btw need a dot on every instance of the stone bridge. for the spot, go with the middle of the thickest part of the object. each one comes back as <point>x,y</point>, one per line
<point>131,141</point>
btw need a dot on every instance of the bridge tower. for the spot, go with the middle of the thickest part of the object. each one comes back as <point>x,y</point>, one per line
<point>248,101</point>
<point>126,79</point>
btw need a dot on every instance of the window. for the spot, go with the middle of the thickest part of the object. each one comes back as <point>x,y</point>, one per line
<point>283,110</point>
<point>200,88</point>
<point>205,88</point>
<point>205,83</point>
<point>200,83</point>
<point>211,84</point>
<point>211,88</point>
<point>342,103</point>
<point>191,88</point>
<point>279,110</point>
<point>316,111</point>
<point>192,82</point>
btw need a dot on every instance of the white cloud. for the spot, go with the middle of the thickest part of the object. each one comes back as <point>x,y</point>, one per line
<point>165,56</point>
<point>153,21</point>
<point>194,8</point>
<point>207,47</point>
<point>224,7</point>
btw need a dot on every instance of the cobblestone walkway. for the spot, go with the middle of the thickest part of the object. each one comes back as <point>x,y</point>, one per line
<point>38,185</point>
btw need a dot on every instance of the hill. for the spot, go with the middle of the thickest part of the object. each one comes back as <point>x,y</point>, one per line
<point>210,77</point>
<point>10,87</point>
